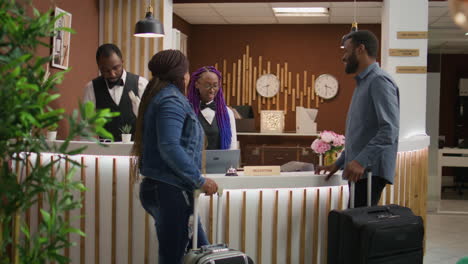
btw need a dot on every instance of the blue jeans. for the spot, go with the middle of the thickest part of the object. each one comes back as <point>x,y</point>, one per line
<point>170,208</point>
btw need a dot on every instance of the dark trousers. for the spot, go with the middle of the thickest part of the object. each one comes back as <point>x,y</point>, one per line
<point>170,208</point>
<point>360,197</point>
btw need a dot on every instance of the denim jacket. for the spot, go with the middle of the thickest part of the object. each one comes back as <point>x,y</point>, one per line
<point>172,141</point>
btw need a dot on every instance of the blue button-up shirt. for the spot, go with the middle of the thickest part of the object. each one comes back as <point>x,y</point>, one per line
<point>373,123</point>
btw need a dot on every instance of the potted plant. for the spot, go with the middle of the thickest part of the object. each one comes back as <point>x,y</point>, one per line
<point>126,133</point>
<point>52,132</point>
<point>25,112</point>
<point>328,144</point>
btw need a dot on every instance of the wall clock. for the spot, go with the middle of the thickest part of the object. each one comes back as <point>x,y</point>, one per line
<point>268,85</point>
<point>326,86</point>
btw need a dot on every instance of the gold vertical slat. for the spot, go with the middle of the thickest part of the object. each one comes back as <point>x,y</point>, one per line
<point>83,213</point>
<point>289,236</point>
<point>141,56</point>
<point>414,194</point>
<point>254,84</point>
<point>325,242</point>
<point>115,23</point>
<point>210,220</point>
<point>67,213</point>
<point>227,224</point>
<point>97,213</point>
<point>133,42</point>
<point>316,228</point>
<point>396,181</point>
<point>303,228</point>
<point>114,210</point>
<point>161,18</point>
<point>268,67</point>
<point>317,100</point>
<point>228,89</point>
<point>285,103</point>
<point>125,33</point>
<point>293,100</point>
<point>239,83</point>
<point>260,228</point>
<point>301,99</point>
<point>286,83</point>
<point>147,239</point>
<point>289,83</point>
<point>250,86</point>
<point>260,66</point>
<point>244,79</point>
<point>216,66</point>
<point>39,197</point>
<point>312,86</point>
<point>224,71</point>
<point>305,83</point>
<point>340,199</point>
<point>298,85</point>
<point>244,220</point>
<point>274,250</point>
<point>408,179</point>
<point>234,78</point>
<point>402,179</point>
<point>309,96</point>
<point>130,214</point>
<point>107,21</point>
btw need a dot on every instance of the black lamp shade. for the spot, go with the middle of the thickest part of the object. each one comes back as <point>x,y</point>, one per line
<point>149,27</point>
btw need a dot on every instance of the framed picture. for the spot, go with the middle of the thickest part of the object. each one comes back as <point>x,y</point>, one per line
<point>61,41</point>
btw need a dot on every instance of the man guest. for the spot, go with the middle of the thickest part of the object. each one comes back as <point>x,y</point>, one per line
<point>373,121</point>
<point>116,89</point>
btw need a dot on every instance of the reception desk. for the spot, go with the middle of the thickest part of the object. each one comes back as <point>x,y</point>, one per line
<point>274,219</point>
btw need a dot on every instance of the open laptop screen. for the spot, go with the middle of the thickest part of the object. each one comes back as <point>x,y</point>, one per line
<point>219,160</point>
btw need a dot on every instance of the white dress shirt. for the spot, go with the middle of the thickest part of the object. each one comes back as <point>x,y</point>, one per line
<point>116,92</point>
<point>209,115</point>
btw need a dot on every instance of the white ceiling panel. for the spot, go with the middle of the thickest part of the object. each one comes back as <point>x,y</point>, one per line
<point>205,20</point>
<point>242,11</point>
<point>251,20</point>
<point>176,6</point>
<point>303,20</point>
<point>437,11</point>
<point>237,5</point>
<point>360,20</point>
<point>368,11</point>
<point>358,4</point>
<point>314,4</point>
<point>192,12</point>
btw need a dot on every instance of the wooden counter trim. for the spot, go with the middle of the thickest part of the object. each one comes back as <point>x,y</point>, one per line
<point>96,212</point>
<point>130,213</point>
<point>303,228</point>
<point>114,210</point>
<point>260,228</point>
<point>83,212</point>
<point>227,226</point>
<point>315,234</point>
<point>289,230</point>
<point>67,213</point>
<point>244,220</point>
<point>210,221</point>
<point>147,239</point>
<point>274,251</point>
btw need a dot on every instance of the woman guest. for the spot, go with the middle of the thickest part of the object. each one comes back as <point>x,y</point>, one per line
<point>168,150</point>
<point>206,95</point>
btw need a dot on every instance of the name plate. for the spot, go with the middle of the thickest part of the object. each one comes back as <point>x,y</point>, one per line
<point>412,34</point>
<point>404,52</point>
<point>411,69</point>
<point>262,170</point>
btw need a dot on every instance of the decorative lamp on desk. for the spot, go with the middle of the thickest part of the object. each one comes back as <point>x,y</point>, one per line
<point>149,27</point>
<point>272,121</point>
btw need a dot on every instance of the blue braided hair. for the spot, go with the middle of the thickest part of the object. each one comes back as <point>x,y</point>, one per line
<point>222,116</point>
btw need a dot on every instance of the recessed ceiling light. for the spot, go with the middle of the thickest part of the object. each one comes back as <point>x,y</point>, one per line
<point>466,34</point>
<point>300,11</point>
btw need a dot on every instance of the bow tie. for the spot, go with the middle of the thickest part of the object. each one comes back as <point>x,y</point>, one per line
<point>111,85</point>
<point>211,105</point>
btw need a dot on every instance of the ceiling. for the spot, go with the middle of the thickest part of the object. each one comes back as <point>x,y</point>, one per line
<point>444,35</point>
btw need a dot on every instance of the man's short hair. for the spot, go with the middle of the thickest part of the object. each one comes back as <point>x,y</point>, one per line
<point>106,50</point>
<point>366,38</point>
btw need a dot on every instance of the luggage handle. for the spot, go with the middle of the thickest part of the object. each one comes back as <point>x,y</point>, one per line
<point>369,190</point>
<point>196,195</point>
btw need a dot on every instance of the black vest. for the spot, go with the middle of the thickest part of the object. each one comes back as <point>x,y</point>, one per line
<point>104,100</point>
<point>211,132</point>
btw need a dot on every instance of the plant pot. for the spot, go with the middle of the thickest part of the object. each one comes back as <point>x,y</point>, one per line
<point>51,135</point>
<point>329,158</point>
<point>126,138</point>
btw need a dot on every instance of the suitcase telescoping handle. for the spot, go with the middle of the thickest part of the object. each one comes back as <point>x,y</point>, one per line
<point>196,195</point>
<point>369,190</point>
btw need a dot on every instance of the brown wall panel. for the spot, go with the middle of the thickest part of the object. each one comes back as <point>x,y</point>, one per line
<point>83,45</point>
<point>311,48</point>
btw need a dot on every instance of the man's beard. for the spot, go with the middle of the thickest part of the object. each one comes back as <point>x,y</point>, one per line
<point>352,64</point>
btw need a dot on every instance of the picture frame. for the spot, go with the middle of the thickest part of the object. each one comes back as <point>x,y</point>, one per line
<point>61,40</point>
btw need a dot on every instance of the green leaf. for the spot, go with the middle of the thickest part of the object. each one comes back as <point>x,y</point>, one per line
<point>75,231</point>
<point>45,216</point>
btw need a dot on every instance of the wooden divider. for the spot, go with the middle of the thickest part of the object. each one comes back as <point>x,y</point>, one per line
<point>97,212</point>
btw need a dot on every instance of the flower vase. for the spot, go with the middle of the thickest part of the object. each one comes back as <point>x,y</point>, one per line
<point>329,158</point>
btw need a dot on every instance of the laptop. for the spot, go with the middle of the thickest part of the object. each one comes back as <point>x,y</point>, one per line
<point>219,160</point>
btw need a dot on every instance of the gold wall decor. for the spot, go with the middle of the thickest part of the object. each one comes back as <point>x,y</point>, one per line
<point>240,79</point>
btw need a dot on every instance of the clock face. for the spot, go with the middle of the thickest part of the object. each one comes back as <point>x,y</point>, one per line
<point>326,86</point>
<point>268,85</point>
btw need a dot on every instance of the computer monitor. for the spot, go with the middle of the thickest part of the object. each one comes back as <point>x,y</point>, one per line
<point>219,160</point>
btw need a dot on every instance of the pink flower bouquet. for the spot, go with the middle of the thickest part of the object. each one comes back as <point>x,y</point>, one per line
<point>328,142</point>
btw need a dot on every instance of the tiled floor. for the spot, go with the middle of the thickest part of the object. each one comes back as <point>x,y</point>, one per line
<point>447,233</point>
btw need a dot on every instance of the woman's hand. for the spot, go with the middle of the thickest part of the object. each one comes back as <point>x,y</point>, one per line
<point>210,187</point>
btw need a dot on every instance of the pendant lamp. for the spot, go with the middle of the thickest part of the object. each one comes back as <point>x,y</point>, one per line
<point>149,27</point>
<point>354,27</point>
<point>459,11</point>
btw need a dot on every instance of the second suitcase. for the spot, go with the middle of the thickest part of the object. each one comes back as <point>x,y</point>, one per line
<point>375,235</point>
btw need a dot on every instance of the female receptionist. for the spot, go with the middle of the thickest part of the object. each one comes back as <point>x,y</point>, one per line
<point>206,95</point>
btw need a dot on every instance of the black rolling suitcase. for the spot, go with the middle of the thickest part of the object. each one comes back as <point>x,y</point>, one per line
<point>212,254</point>
<point>374,235</point>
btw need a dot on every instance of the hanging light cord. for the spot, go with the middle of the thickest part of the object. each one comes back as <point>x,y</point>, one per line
<point>354,11</point>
